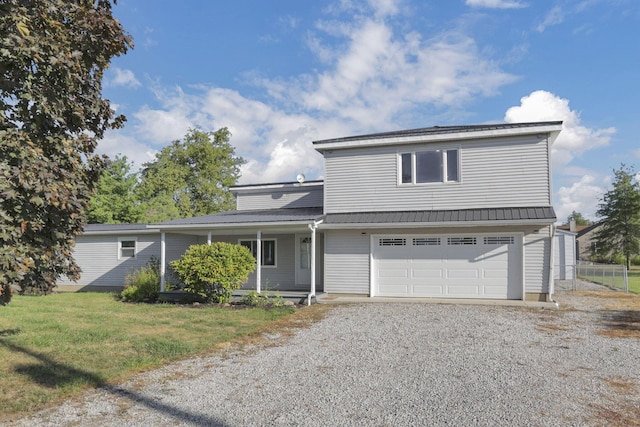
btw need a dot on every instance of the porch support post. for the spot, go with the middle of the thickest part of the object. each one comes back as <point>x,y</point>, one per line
<point>163,260</point>
<point>258,260</point>
<point>209,238</point>
<point>312,293</point>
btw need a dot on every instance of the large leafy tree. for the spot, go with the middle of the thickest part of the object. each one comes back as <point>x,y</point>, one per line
<point>620,212</point>
<point>53,54</point>
<point>190,177</point>
<point>114,199</point>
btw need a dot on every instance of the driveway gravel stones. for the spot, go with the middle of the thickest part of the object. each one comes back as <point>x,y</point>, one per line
<point>392,364</point>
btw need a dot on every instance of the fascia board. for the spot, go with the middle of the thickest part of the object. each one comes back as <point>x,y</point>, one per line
<point>120,232</point>
<point>452,224</point>
<point>286,186</point>
<point>552,130</point>
<point>234,225</point>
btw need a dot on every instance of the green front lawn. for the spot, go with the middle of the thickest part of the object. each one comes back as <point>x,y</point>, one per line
<point>633,276</point>
<point>53,346</point>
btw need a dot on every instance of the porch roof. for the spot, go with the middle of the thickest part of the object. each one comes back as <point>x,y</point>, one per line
<point>284,216</point>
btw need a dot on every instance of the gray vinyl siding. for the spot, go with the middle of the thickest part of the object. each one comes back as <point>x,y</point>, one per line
<point>346,261</point>
<point>177,244</point>
<point>97,256</point>
<point>275,199</point>
<point>506,172</point>
<point>537,248</point>
<point>280,277</point>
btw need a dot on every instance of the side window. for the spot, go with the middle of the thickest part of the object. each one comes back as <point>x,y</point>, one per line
<point>127,247</point>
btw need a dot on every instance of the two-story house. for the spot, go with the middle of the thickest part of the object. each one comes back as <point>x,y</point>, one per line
<point>439,212</point>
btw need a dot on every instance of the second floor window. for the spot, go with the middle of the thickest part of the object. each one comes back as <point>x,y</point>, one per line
<point>429,166</point>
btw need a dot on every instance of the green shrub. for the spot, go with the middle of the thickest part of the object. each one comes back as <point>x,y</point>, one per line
<point>143,284</point>
<point>214,271</point>
<point>264,299</point>
<point>5,294</point>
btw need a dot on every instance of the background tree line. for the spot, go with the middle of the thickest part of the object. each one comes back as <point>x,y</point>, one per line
<point>189,177</point>
<point>617,239</point>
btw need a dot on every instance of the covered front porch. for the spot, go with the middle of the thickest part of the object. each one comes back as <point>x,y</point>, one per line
<point>287,246</point>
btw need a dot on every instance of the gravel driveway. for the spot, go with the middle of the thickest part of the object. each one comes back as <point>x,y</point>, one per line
<point>395,364</point>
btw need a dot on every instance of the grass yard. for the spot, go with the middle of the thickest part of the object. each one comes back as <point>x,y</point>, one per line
<point>633,276</point>
<point>54,346</point>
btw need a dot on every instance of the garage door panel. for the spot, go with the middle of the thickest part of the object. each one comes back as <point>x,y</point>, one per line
<point>462,291</point>
<point>462,273</point>
<point>397,290</point>
<point>428,273</point>
<point>495,274</point>
<point>431,290</point>
<point>456,267</point>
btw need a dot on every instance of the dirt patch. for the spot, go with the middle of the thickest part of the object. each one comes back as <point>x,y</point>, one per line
<point>619,413</point>
<point>621,324</point>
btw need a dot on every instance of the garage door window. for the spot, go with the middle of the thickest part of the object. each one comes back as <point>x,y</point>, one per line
<point>459,241</point>
<point>426,241</point>
<point>502,240</point>
<point>392,242</point>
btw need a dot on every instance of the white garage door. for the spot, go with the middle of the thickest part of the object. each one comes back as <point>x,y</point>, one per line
<point>448,266</point>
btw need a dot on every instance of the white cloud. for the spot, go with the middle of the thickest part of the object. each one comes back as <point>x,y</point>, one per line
<point>377,77</point>
<point>554,17</point>
<point>582,196</point>
<point>115,143</point>
<point>123,77</point>
<point>574,139</point>
<point>497,4</point>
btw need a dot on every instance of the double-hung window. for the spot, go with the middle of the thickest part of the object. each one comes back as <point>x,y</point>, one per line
<point>429,166</point>
<point>126,247</point>
<point>268,252</point>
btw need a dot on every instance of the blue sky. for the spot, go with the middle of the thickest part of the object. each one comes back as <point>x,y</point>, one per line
<point>280,74</point>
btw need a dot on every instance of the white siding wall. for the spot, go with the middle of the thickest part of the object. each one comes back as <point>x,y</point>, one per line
<point>537,248</point>
<point>306,197</point>
<point>494,173</point>
<point>97,256</point>
<point>346,261</point>
<point>564,256</point>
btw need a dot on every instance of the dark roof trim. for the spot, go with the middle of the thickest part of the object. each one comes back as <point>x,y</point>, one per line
<point>247,218</point>
<point>270,184</point>
<point>491,215</point>
<point>438,130</point>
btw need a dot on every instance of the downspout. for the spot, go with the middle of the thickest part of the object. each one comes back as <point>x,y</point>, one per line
<point>258,260</point>
<point>162,261</point>
<point>551,262</point>
<point>313,226</point>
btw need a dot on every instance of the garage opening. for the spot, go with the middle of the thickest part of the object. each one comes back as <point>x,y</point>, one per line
<point>460,266</point>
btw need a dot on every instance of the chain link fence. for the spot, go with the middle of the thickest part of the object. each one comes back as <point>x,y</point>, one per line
<point>588,275</point>
<point>612,275</point>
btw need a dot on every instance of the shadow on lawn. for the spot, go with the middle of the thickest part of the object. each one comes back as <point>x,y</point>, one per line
<point>52,374</point>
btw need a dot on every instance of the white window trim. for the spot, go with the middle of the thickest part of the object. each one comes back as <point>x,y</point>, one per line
<point>135,247</point>
<point>443,157</point>
<point>275,245</point>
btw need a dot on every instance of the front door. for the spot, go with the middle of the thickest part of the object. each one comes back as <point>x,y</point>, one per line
<point>303,259</point>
